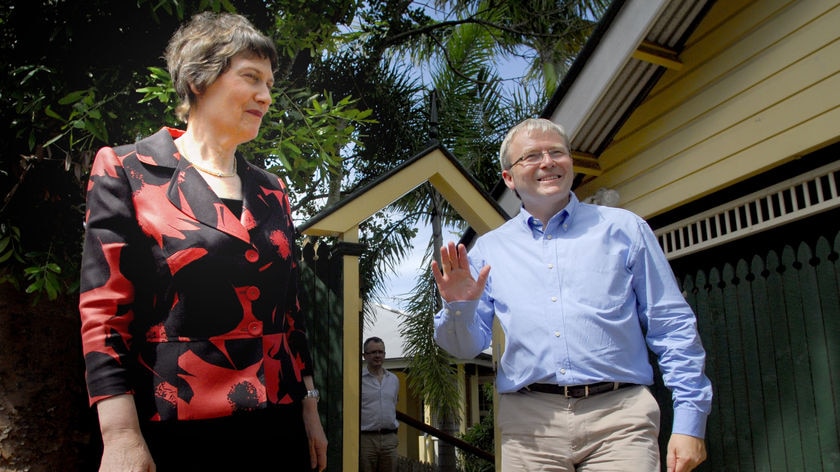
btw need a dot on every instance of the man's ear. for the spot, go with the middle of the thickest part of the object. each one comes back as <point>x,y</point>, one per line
<point>508,178</point>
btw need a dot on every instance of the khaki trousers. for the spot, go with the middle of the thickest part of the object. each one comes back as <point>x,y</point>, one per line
<point>613,431</point>
<point>378,452</point>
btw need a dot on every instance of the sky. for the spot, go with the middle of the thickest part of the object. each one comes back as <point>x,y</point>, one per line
<point>400,284</point>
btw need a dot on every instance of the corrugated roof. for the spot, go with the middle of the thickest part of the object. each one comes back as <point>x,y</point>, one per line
<point>662,43</point>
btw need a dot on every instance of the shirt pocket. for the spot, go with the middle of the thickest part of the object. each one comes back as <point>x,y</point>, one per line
<point>600,282</point>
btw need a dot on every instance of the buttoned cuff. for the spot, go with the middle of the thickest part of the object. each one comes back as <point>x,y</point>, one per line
<point>690,422</point>
<point>457,310</point>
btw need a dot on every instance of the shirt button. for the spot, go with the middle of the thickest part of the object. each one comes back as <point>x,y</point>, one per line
<point>547,236</point>
<point>551,266</point>
<point>255,328</point>
<point>252,293</point>
<point>563,371</point>
<point>457,312</point>
<point>554,299</point>
<point>557,334</point>
<point>251,255</point>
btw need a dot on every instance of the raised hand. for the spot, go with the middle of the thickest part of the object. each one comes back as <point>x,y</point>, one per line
<point>453,277</point>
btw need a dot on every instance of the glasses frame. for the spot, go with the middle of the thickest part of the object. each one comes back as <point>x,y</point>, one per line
<point>374,352</point>
<point>542,153</point>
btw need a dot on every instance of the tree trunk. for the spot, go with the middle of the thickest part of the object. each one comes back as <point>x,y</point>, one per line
<point>447,459</point>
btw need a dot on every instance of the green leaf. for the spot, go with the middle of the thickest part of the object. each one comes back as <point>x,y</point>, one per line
<point>52,286</point>
<point>51,113</point>
<point>35,286</point>
<point>53,140</point>
<point>73,97</point>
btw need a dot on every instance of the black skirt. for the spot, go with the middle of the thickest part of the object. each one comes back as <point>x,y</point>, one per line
<point>271,439</point>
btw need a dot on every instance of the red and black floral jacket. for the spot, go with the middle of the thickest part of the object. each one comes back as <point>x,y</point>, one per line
<point>184,305</point>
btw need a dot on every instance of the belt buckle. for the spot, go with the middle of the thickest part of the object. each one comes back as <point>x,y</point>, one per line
<point>585,392</point>
<point>567,395</point>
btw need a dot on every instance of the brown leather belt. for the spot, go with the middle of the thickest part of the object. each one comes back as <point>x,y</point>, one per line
<point>576,391</point>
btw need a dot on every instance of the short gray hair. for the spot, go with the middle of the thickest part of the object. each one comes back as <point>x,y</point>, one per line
<point>530,124</point>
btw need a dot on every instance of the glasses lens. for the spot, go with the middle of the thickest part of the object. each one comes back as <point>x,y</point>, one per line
<point>535,157</point>
<point>532,158</point>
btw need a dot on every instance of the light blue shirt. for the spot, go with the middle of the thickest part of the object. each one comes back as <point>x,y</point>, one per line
<point>580,301</point>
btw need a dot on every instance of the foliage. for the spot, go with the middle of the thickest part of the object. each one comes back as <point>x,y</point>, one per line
<point>58,105</point>
<point>160,90</point>
<point>481,436</point>
<point>44,277</point>
<point>303,139</point>
<point>10,253</point>
<point>84,125</point>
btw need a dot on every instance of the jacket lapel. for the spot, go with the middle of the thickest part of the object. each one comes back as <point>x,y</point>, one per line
<point>255,209</point>
<point>187,189</point>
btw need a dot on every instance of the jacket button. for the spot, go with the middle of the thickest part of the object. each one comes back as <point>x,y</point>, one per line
<point>252,293</point>
<point>251,255</point>
<point>255,328</point>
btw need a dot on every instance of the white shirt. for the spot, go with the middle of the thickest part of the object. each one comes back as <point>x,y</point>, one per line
<point>379,401</point>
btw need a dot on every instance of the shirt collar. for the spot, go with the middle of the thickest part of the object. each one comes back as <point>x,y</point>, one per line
<point>563,216</point>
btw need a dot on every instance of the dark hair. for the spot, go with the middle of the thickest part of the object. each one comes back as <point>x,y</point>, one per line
<point>202,49</point>
<point>372,339</point>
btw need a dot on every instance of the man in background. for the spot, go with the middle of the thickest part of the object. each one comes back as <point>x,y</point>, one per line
<point>380,388</point>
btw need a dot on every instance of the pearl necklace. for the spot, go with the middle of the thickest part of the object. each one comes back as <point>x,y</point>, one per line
<point>213,172</point>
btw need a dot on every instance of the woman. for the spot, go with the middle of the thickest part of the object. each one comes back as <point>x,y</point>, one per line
<point>195,350</point>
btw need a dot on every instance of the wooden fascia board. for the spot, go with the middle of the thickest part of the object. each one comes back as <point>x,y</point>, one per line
<point>480,211</point>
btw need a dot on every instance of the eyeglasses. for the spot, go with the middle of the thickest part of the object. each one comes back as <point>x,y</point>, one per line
<point>535,157</point>
<point>375,352</point>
